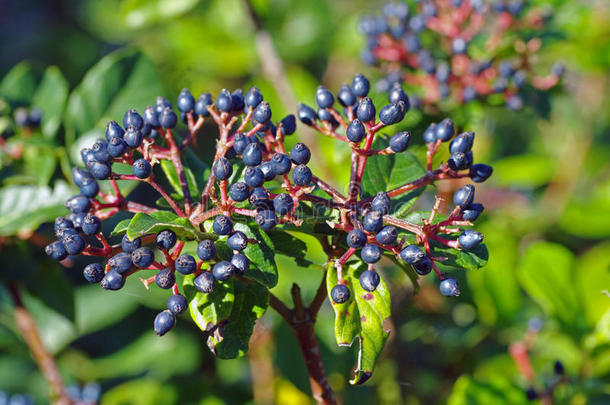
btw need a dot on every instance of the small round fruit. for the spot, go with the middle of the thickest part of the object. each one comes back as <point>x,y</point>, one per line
<point>93,273</point>
<point>340,293</point>
<point>186,264</point>
<point>369,280</point>
<point>449,287</point>
<point>165,279</point>
<point>112,281</point>
<point>370,253</point>
<point>205,282</point>
<point>223,270</point>
<point>206,250</point>
<point>356,239</point>
<point>164,321</point>
<point>177,304</point>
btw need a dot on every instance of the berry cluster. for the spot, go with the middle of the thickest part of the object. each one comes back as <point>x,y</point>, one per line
<point>440,42</point>
<point>367,221</point>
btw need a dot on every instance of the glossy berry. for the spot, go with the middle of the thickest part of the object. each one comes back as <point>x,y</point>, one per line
<point>259,198</point>
<point>252,155</point>
<point>239,191</point>
<point>100,151</point>
<point>93,273</point>
<point>114,130</point>
<point>396,94</point>
<point>412,254</point>
<point>381,202</point>
<point>360,85</point>
<point>387,235</point>
<point>346,96</point>
<point>289,124</point>
<point>340,293</point>
<point>460,161</point>
<point>366,110</point>
<point>253,97</point>
<point>223,169</point>
<point>253,176</point>
<point>392,113</point>
<point>462,143</point>
<point>356,239</point>
<point>281,164</point>
<point>151,117</point>
<point>480,172</point>
<point>373,221</point>
<point>430,134</point>
<point>445,130</point>
<point>77,219</point>
<point>237,100</point>
<point>141,168</point>
<point>168,118</point>
<point>464,196</point>
<point>240,264</point>
<point>186,264</point>
<point>355,131</point>
<point>164,321</point>
<point>324,97</point>
<point>89,188</point>
<point>369,280</point>
<point>166,239</point>
<point>74,244</point>
<point>142,257</point>
<point>473,212</point>
<point>165,279</point>
<point>62,223</point>
<point>224,101</point>
<point>121,262</point>
<point>133,119</point>
<point>283,204</point>
<point>531,394</point>
<point>301,175</point>
<point>91,224</point>
<point>129,245</point>
<point>449,287</point>
<point>470,239</point>
<point>201,106</point>
<point>370,253</point>
<point>223,270</point>
<point>222,225</point>
<point>116,147</point>
<point>266,219</point>
<point>112,281</point>
<point>306,114</point>
<point>186,101</point>
<point>177,304</point>
<point>133,137</point>
<point>237,241</point>
<point>56,251</point>
<point>267,170</point>
<point>300,154</point>
<point>262,113</point>
<point>424,266</point>
<point>400,141</point>
<point>204,282</point>
<point>206,250</point>
<point>78,203</point>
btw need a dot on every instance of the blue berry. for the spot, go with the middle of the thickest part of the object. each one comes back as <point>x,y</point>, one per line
<point>281,164</point>
<point>259,197</point>
<point>121,262</point>
<point>237,241</point>
<point>400,141</point>
<point>80,176</point>
<point>449,287</point>
<point>91,224</point>
<point>392,113</point>
<point>89,188</point>
<point>239,191</point>
<point>558,368</point>
<point>369,280</point>
<point>252,155</point>
<point>62,223</point>
<point>205,282</point>
<point>360,85</point>
<point>355,131</point>
<point>253,176</point>
<point>531,394</point>
<point>223,270</point>
<point>458,46</point>
<point>366,110</point>
<point>266,219</point>
<point>462,143</point>
<point>165,279</point>
<point>151,117</point>
<point>86,155</point>
<point>186,264</point>
<point>326,116</point>
<point>397,94</point>
<point>464,196</point>
<point>267,170</point>
<point>112,281</point>
<point>240,141</point>
<point>473,212</point>
<point>133,137</point>
<point>430,134</point>
<point>100,151</point>
<point>470,239</point>
<point>340,293</point>
<point>283,204</point>
<point>74,244</point>
<point>387,235</point>
<point>373,221</point>
<point>306,114</point>
<point>381,202</point>
<point>224,101</point>
<point>161,104</point>
<point>289,124</point>
<point>411,254</point>
<point>237,100</point>
<point>168,118</point>
<point>460,161</point>
<point>324,97</point>
<point>206,250</point>
<point>166,239</point>
<point>78,203</point>
<point>514,102</point>
<point>445,130</point>
<point>300,154</point>
<point>141,168</point>
<point>240,263</point>
<point>262,113</point>
<point>301,175</point>
<point>77,219</point>
<point>132,118</point>
<point>253,97</point>
<point>186,101</point>
<point>370,253</point>
<point>201,106</point>
<point>480,172</point>
<point>93,273</point>
<point>346,96</point>
<point>114,130</point>
<point>469,93</point>
<point>423,267</point>
<point>177,304</point>
<point>56,251</point>
<point>129,245</point>
<point>116,147</point>
<point>222,225</point>
<point>164,321</point>
<point>223,169</point>
<point>142,257</point>
<point>356,239</point>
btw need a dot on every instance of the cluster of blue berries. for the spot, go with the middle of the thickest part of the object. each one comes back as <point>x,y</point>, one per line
<point>15,399</point>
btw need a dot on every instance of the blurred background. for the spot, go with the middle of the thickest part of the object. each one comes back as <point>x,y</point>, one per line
<point>546,223</point>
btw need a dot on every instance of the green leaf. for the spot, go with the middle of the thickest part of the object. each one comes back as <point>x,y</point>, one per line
<point>262,255</point>
<point>172,177</point>
<point>462,259</point>
<point>40,163</point>
<point>24,208</point>
<point>121,227</point>
<point>95,310</point>
<point>289,245</point>
<point>230,339</point>
<point>121,80</point>
<point>19,84</point>
<point>593,282</point>
<point>498,389</point>
<point>523,171</point>
<point>138,14</point>
<point>141,391</point>
<point>208,310</point>
<point>365,320</point>
<point>142,224</point>
<point>50,98</point>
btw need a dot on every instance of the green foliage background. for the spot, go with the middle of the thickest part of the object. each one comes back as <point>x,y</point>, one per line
<point>546,224</point>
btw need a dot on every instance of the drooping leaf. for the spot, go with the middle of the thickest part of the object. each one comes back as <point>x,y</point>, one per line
<point>142,224</point>
<point>50,98</point>
<point>347,317</point>
<point>462,259</point>
<point>262,255</point>
<point>209,310</point>
<point>121,227</point>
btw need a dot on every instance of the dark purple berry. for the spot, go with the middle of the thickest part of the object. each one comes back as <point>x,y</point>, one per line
<point>164,321</point>
<point>301,175</point>
<point>93,273</point>
<point>464,196</point>
<point>141,168</point>
<point>266,219</point>
<point>142,257</point>
<point>56,251</point>
<point>449,287</point>
<point>239,191</point>
<point>177,304</point>
<point>283,204</point>
<point>91,224</point>
<point>300,154</point>
<point>205,282</point>
<point>206,250</point>
<point>223,270</point>
<point>369,280</point>
<point>223,169</point>
<point>166,239</point>
<point>340,293</point>
<point>165,279</point>
<point>240,263</point>
<point>470,239</point>
<point>387,235</point>
<point>112,281</point>
<point>222,225</point>
<point>370,253</point>
<point>237,241</point>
